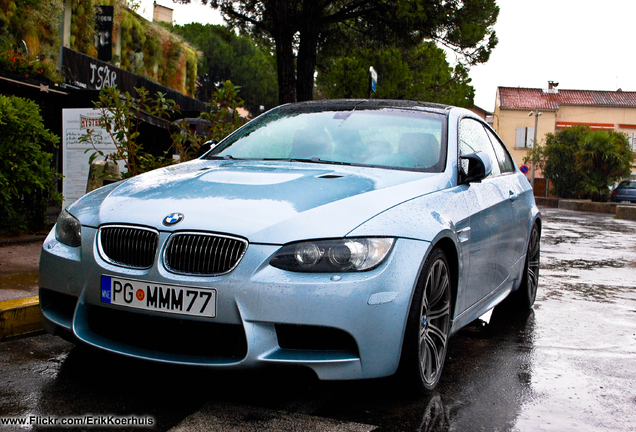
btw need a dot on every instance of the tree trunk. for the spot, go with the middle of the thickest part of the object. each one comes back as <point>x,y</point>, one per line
<point>283,25</point>
<point>309,32</point>
<point>306,66</point>
<point>285,65</point>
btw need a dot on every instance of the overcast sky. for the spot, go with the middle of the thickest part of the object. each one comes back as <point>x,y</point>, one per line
<point>184,14</point>
<point>581,44</point>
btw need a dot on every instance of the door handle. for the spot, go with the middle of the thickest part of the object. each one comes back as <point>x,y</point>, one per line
<point>512,195</point>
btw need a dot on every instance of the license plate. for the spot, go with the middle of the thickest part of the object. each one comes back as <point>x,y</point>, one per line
<point>183,300</point>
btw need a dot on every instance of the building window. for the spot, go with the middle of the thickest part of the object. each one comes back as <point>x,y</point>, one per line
<point>524,137</point>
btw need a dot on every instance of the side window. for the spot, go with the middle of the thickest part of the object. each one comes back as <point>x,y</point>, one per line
<point>473,138</point>
<point>505,161</point>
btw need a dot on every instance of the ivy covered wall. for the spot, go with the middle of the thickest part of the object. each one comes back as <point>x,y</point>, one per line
<point>83,27</point>
<point>151,50</point>
<point>144,48</point>
<point>29,38</point>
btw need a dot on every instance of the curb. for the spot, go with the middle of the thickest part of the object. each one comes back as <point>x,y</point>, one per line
<point>547,202</point>
<point>21,316</point>
<point>626,212</point>
<point>588,206</point>
<point>621,211</point>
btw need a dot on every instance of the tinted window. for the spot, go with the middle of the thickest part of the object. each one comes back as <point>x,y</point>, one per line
<point>505,161</point>
<point>627,185</point>
<point>473,138</point>
<point>382,137</point>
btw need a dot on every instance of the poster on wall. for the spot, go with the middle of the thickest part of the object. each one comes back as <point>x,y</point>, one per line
<point>104,32</point>
<point>75,166</point>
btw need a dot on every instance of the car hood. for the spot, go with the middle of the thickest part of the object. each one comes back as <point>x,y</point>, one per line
<point>265,202</point>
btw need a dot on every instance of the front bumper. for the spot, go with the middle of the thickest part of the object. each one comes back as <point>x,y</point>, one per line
<point>343,326</point>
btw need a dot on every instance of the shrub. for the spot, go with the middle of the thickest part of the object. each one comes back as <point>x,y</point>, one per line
<point>583,163</point>
<point>26,178</point>
<point>556,160</point>
<point>120,116</point>
<point>604,158</point>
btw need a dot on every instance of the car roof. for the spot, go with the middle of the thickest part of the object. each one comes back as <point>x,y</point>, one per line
<point>351,104</point>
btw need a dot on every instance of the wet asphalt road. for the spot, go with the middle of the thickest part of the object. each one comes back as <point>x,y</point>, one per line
<point>567,365</point>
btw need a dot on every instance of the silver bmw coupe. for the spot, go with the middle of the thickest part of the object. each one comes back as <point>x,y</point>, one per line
<point>352,237</point>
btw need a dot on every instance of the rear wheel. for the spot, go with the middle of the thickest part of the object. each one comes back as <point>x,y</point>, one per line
<point>428,326</point>
<point>525,296</point>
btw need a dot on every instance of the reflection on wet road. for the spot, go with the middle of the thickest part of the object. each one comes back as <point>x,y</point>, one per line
<point>567,365</point>
<point>584,359</point>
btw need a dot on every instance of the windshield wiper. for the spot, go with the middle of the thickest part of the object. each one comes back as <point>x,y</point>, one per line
<point>226,157</point>
<point>312,160</point>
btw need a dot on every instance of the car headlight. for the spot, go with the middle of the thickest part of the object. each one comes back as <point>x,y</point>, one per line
<point>68,230</point>
<point>329,256</point>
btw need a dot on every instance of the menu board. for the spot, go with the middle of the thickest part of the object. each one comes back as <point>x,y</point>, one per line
<point>76,154</point>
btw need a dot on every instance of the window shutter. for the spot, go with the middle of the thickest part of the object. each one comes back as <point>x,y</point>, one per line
<point>520,137</point>
<point>530,137</point>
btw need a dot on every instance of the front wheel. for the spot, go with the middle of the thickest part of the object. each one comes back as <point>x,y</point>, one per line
<point>428,326</point>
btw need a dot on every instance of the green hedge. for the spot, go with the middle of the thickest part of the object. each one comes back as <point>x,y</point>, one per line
<point>26,177</point>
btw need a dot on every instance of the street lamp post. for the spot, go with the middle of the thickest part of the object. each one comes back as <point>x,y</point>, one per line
<point>536,115</point>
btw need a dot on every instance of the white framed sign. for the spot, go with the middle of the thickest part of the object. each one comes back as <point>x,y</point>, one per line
<point>75,166</point>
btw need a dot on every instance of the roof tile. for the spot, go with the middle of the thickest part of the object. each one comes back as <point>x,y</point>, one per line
<point>529,98</point>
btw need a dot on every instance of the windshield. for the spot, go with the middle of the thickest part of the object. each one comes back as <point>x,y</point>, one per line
<point>388,137</point>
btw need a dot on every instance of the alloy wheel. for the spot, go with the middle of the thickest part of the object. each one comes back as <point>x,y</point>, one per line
<point>434,322</point>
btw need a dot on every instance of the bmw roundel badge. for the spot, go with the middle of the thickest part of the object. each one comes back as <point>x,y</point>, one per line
<point>173,219</point>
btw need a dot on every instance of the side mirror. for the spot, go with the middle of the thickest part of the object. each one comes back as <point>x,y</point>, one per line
<point>206,147</point>
<point>479,167</point>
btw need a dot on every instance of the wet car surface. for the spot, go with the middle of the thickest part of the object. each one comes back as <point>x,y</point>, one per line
<point>569,364</point>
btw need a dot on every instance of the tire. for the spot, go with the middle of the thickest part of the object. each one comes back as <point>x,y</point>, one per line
<point>523,298</point>
<point>428,325</point>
